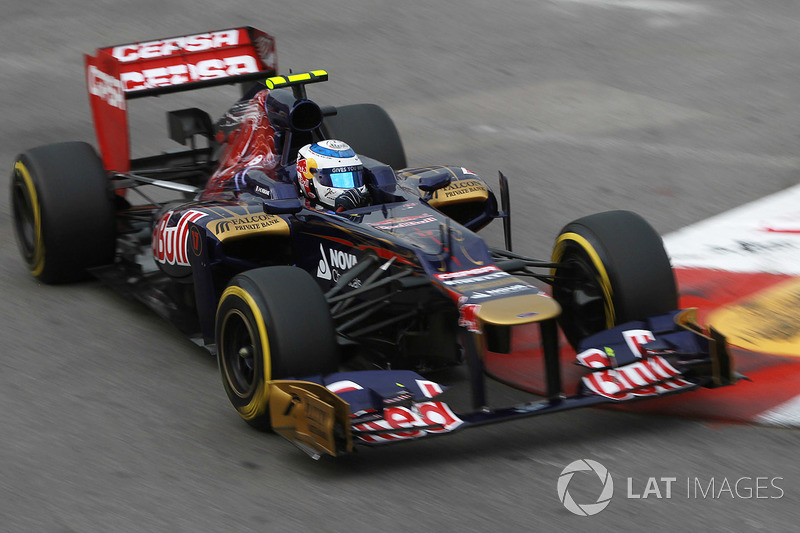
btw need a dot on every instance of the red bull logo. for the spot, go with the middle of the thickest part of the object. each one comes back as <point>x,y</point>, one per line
<point>169,243</point>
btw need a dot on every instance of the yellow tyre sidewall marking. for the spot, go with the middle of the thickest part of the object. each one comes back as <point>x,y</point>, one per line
<point>37,262</point>
<point>605,281</point>
<point>259,403</point>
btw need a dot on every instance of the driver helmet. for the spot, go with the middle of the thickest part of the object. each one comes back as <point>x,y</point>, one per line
<point>326,169</point>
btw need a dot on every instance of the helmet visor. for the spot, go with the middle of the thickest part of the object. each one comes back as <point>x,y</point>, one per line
<point>341,177</point>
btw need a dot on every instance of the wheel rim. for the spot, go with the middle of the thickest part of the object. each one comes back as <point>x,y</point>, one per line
<point>238,353</point>
<point>25,221</point>
<point>581,296</point>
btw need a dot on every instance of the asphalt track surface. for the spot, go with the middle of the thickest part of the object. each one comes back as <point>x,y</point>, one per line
<point>110,421</point>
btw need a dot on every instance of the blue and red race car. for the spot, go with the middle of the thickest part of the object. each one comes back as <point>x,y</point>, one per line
<point>324,321</point>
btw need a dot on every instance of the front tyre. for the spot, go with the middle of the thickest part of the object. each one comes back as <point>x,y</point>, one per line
<point>272,323</point>
<point>613,269</point>
<point>62,210</point>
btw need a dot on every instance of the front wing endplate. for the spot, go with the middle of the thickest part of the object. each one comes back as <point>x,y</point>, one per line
<point>311,417</point>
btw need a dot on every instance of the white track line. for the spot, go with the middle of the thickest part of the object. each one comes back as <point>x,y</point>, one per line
<point>785,415</point>
<point>762,236</point>
<point>664,7</point>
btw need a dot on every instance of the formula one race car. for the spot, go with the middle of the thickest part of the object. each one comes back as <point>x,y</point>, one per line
<point>322,320</point>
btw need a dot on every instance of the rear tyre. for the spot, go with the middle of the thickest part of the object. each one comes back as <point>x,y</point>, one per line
<point>614,270</point>
<point>63,211</point>
<point>272,323</point>
<point>370,131</point>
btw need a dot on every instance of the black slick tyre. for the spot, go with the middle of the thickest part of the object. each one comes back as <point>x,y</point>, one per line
<point>271,323</point>
<point>63,211</point>
<point>614,269</point>
<point>370,131</point>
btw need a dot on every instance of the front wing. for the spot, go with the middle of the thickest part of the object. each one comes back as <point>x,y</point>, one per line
<point>330,414</point>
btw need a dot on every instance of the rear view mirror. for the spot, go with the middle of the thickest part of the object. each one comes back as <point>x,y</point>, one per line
<point>433,183</point>
<point>288,206</point>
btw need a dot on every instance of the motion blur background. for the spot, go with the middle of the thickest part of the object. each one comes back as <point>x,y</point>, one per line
<point>111,421</point>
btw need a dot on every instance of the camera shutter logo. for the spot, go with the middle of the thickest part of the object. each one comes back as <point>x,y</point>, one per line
<point>583,465</point>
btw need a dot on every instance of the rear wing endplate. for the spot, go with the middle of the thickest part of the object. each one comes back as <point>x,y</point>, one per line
<point>116,74</point>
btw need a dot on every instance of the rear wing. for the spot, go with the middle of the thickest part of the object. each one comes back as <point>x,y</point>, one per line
<point>116,74</point>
